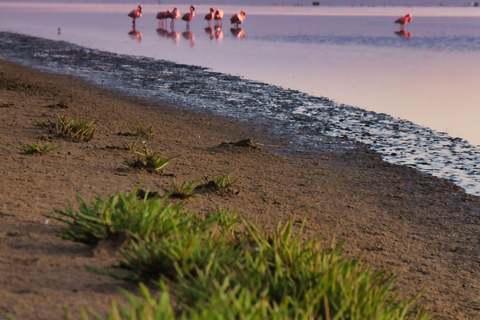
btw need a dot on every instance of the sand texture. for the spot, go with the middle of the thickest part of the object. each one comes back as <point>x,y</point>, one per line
<point>424,229</point>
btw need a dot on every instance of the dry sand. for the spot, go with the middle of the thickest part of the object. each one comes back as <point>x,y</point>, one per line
<point>424,229</point>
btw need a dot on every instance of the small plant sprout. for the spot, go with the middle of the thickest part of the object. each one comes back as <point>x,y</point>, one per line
<point>149,160</point>
<point>36,147</point>
<point>182,191</point>
<point>130,145</point>
<point>63,104</point>
<point>221,183</point>
<point>144,131</point>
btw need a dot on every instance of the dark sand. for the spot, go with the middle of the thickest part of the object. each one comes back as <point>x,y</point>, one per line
<point>423,229</point>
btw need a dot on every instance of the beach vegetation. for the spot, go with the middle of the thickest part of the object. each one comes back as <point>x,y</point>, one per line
<point>144,131</point>
<point>147,159</point>
<point>76,130</point>
<point>119,214</point>
<point>36,147</point>
<point>220,183</point>
<point>185,190</point>
<point>221,266</point>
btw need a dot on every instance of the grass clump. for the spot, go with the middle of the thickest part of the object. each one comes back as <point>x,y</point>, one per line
<point>146,159</point>
<point>76,130</point>
<point>120,213</point>
<point>182,191</point>
<point>221,183</point>
<point>36,147</point>
<point>221,266</point>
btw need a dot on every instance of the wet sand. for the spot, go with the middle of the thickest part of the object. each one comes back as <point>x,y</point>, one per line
<point>422,228</point>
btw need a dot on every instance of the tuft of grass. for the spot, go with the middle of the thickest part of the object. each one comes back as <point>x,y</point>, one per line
<point>120,213</point>
<point>227,268</point>
<point>221,183</point>
<point>36,147</point>
<point>76,130</point>
<point>144,131</point>
<point>149,160</point>
<point>182,191</point>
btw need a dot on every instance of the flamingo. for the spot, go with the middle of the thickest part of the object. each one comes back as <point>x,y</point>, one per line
<point>134,14</point>
<point>189,16</point>
<point>218,16</point>
<point>404,20</point>
<point>209,16</point>
<point>162,16</point>
<point>175,14</point>
<point>237,18</point>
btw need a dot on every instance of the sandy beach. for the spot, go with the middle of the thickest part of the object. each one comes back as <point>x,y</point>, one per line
<point>424,229</point>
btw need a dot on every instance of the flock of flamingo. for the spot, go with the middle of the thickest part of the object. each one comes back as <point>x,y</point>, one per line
<point>162,16</point>
<point>217,15</point>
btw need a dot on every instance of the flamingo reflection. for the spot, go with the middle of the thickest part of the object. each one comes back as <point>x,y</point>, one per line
<point>189,36</point>
<point>134,14</point>
<point>237,18</point>
<point>404,34</point>
<point>134,34</point>
<point>218,33</point>
<point>238,33</point>
<point>162,32</point>
<point>403,21</point>
<point>218,17</point>
<point>173,35</point>
<point>209,31</point>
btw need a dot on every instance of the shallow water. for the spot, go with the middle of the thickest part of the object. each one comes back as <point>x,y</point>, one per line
<point>350,60</point>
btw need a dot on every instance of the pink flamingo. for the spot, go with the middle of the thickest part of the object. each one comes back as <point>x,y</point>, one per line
<point>134,14</point>
<point>162,16</point>
<point>189,16</point>
<point>238,18</point>
<point>404,20</point>
<point>218,17</point>
<point>175,14</point>
<point>209,16</point>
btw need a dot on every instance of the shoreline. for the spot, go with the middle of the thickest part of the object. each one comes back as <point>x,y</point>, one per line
<point>422,228</point>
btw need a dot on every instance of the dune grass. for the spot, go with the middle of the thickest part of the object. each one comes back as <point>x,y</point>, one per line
<point>220,266</point>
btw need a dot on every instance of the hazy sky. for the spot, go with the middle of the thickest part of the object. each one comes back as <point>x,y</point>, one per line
<point>270,2</point>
